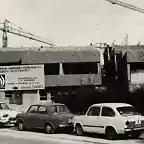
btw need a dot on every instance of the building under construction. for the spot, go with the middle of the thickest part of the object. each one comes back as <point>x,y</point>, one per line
<point>65,68</point>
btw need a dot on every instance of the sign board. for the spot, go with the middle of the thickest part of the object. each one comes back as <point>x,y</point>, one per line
<point>22,77</point>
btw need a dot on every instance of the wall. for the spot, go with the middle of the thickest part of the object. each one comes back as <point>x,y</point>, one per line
<point>30,97</point>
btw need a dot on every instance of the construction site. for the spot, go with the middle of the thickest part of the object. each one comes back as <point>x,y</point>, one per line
<point>75,75</point>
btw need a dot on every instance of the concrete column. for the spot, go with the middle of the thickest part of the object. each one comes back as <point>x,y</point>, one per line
<point>49,97</point>
<point>128,72</point>
<point>38,93</point>
<point>61,72</point>
<point>99,68</point>
<point>2,96</point>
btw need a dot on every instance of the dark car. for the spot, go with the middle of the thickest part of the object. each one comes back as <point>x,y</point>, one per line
<point>49,117</point>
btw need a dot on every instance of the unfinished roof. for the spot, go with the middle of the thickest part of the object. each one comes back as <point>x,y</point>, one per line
<point>50,55</point>
<point>135,53</point>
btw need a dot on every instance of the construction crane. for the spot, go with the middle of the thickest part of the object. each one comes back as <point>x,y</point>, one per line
<point>8,28</point>
<point>129,6</point>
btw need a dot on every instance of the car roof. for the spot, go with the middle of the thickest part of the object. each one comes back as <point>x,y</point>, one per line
<point>112,105</point>
<point>48,104</point>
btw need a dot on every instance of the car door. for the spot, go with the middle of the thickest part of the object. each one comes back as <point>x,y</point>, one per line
<point>107,117</point>
<point>91,121</point>
<point>42,116</point>
<point>31,115</point>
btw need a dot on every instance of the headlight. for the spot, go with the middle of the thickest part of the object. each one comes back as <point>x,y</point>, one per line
<point>5,115</point>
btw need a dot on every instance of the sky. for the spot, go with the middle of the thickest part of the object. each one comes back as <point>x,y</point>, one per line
<point>73,22</point>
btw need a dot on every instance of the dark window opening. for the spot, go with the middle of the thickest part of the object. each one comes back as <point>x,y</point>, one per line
<point>80,68</point>
<point>51,69</point>
<point>8,94</point>
<point>137,67</point>
<point>43,94</point>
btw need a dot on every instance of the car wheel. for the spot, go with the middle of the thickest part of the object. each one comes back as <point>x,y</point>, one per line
<point>79,130</point>
<point>49,129</point>
<point>111,133</point>
<point>21,126</point>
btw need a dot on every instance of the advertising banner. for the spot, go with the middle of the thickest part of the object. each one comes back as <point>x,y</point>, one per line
<point>22,77</point>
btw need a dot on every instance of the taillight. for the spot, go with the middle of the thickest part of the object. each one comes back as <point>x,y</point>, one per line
<point>127,122</point>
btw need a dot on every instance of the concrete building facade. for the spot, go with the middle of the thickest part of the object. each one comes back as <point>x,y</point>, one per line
<point>64,67</point>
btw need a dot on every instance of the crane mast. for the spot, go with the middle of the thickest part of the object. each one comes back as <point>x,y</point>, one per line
<point>8,28</point>
<point>129,6</point>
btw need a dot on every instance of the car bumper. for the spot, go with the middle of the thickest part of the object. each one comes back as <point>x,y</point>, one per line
<point>66,125</point>
<point>130,130</point>
<point>8,121</point>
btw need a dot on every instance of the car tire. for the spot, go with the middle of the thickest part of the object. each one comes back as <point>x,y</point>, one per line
<point>49,129</point>
<point>111,133</point>
<point>21,126</point>
<point>79,130</point>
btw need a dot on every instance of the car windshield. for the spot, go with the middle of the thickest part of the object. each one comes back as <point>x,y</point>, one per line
<point>3,106</point>
<point>127,111</point>
<point>62,109</point>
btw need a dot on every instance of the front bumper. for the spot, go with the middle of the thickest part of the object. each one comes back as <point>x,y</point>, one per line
<point>8,121</point>
<point>131,130</point>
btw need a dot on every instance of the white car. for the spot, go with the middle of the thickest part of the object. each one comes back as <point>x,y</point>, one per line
<point>111,119</point>
<point>7,115</point>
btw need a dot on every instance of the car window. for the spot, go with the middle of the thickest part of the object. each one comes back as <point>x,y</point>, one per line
<point>53,109</point>
<point>94,111</point>
<point>33,109</point>
<point>127,111</point>
<point>42,110</point>
<point>108,112</point>
<point>89,112</point>
<point>62,109</point>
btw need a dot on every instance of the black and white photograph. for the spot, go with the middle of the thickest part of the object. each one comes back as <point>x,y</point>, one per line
<point>72,72</point>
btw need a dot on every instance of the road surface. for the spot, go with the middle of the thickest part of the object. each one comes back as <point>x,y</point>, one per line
<point>13,136</point>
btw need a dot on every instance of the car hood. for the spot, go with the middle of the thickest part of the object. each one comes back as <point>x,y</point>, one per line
<point>11,113</point>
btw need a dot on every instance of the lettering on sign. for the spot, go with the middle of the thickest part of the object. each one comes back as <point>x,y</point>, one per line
<point>23,77</point>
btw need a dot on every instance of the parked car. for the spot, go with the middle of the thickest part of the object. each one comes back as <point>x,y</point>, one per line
<point>111,119</point>
<point>49,117</point>
<point>7,115</point>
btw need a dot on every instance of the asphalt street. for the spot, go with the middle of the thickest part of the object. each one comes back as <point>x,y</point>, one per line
<point>13,136</point>
<point>12,140</point>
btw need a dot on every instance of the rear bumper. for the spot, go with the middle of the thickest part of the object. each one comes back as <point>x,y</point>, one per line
<point>69,126</point>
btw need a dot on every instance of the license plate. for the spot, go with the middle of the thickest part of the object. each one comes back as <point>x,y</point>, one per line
<point>138,125</point>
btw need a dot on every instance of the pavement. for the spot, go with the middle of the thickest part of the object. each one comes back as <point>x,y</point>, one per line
<point>13,136</point>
